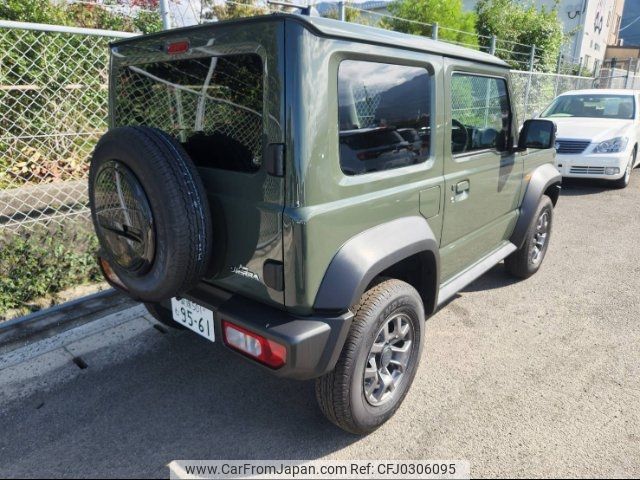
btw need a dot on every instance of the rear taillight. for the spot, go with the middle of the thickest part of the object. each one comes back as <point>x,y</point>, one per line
<point>255,346</point>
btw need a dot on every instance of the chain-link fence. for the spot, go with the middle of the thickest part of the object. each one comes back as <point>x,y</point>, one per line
<point>53,92</point>
<point>53,95</point>
<point>620,74</point>
<point>533,91</point>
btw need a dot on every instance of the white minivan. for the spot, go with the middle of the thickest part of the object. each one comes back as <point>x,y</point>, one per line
<point>598,132</point>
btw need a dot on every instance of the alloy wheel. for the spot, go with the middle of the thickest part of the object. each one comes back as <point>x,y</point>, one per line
<point>388,359</point>
<point>540,235</point>
<point>627,173</point>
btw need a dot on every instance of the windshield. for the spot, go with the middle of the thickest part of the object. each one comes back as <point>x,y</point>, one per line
<point>592,106</point>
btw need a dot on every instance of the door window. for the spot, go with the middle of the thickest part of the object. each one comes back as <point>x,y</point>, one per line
<point>480,113</point>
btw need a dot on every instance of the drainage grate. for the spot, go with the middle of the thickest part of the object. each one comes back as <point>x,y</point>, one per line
<point>81,364</point>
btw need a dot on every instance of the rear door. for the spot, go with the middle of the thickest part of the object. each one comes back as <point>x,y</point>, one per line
<point>219,90</point>
<point>482,174</point>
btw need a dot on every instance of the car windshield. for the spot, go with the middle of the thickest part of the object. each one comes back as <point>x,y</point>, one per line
<point>592,106</point>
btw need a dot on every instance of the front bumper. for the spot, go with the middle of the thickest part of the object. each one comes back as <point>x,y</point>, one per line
<point>592,165</point>
<point>313,343</point>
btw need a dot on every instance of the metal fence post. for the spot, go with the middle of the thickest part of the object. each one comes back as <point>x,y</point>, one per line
<point>527,92</point>
<point>434,31</point>
<point>165,14</point>
<point>612,70</point>
<point>626,78</point>
<point>342,14</point>
<point>492,45</point>
<point>558,67</point>
<point>532,57</point>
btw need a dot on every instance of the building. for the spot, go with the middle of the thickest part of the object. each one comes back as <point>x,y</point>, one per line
<point>616,22</point>
<point>590,24</point>
<point>630,27</point>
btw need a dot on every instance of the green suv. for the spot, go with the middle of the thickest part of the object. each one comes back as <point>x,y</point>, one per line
<point>306,191</point>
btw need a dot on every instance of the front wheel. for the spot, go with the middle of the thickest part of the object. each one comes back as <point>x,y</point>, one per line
<point>526,261</point>
<point>623,181</point>
<point>379,359</point>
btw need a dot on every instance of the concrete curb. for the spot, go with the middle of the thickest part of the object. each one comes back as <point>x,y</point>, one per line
<point>94,327</point>
<point>52,321</point>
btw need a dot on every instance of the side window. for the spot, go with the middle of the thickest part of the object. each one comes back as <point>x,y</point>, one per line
<point>480,113</point>
<point>384,116</point>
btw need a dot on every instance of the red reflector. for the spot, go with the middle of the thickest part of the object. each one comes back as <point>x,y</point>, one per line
<point>250,343</point>
<point>110,275</point>
<point>180,46</point>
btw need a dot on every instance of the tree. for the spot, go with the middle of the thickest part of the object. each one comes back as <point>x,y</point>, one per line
<point>144,16</point>
<point>211,9</point>
<point>351,13</point>
<point>519,26</point>
<point>36,11</point>
<point>457,25</point>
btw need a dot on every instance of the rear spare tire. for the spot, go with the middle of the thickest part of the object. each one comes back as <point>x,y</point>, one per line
<point>150,212</point>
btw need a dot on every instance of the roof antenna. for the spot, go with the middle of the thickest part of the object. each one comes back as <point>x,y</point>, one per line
<point>304,9</point>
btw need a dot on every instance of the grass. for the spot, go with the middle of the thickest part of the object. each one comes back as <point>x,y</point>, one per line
<point>43,262</point>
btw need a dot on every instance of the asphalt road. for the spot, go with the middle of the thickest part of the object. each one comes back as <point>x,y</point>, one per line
<point>533,378</point>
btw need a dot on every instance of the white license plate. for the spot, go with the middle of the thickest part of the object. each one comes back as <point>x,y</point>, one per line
<point>193,316</point>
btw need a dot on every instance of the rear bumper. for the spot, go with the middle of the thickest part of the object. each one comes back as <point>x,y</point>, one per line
<point>313,343</point>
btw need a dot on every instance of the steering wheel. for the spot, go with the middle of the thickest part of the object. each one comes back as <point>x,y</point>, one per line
<point>461,133</point>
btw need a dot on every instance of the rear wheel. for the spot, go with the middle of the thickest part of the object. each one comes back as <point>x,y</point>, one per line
<point>379,359</point>
<point>526,261</point>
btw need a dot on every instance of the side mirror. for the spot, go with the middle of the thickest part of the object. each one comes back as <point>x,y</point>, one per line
<point>537,133</point>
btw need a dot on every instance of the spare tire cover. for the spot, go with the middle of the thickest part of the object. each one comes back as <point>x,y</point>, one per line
<point>150,212</point>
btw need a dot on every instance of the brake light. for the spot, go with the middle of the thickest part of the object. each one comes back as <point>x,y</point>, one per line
<point>253,345</point>
<point>180,46</point>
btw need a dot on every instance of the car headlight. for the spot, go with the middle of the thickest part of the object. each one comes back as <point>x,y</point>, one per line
<point>613,145</point>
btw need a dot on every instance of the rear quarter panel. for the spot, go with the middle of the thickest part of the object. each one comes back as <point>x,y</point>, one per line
<point>327,207</point>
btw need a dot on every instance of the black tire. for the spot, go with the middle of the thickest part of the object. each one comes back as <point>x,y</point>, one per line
<point>341,392</point>
<point>163,315</point>
<point>150,211</point>
<point>623,182</point>
<point>522,263</point>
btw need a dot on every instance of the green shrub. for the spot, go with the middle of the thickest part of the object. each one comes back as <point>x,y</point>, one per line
<point>46,261</point>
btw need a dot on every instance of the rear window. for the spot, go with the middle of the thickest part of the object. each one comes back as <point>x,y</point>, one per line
<point>212,105</point>
<point>384,116</point>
